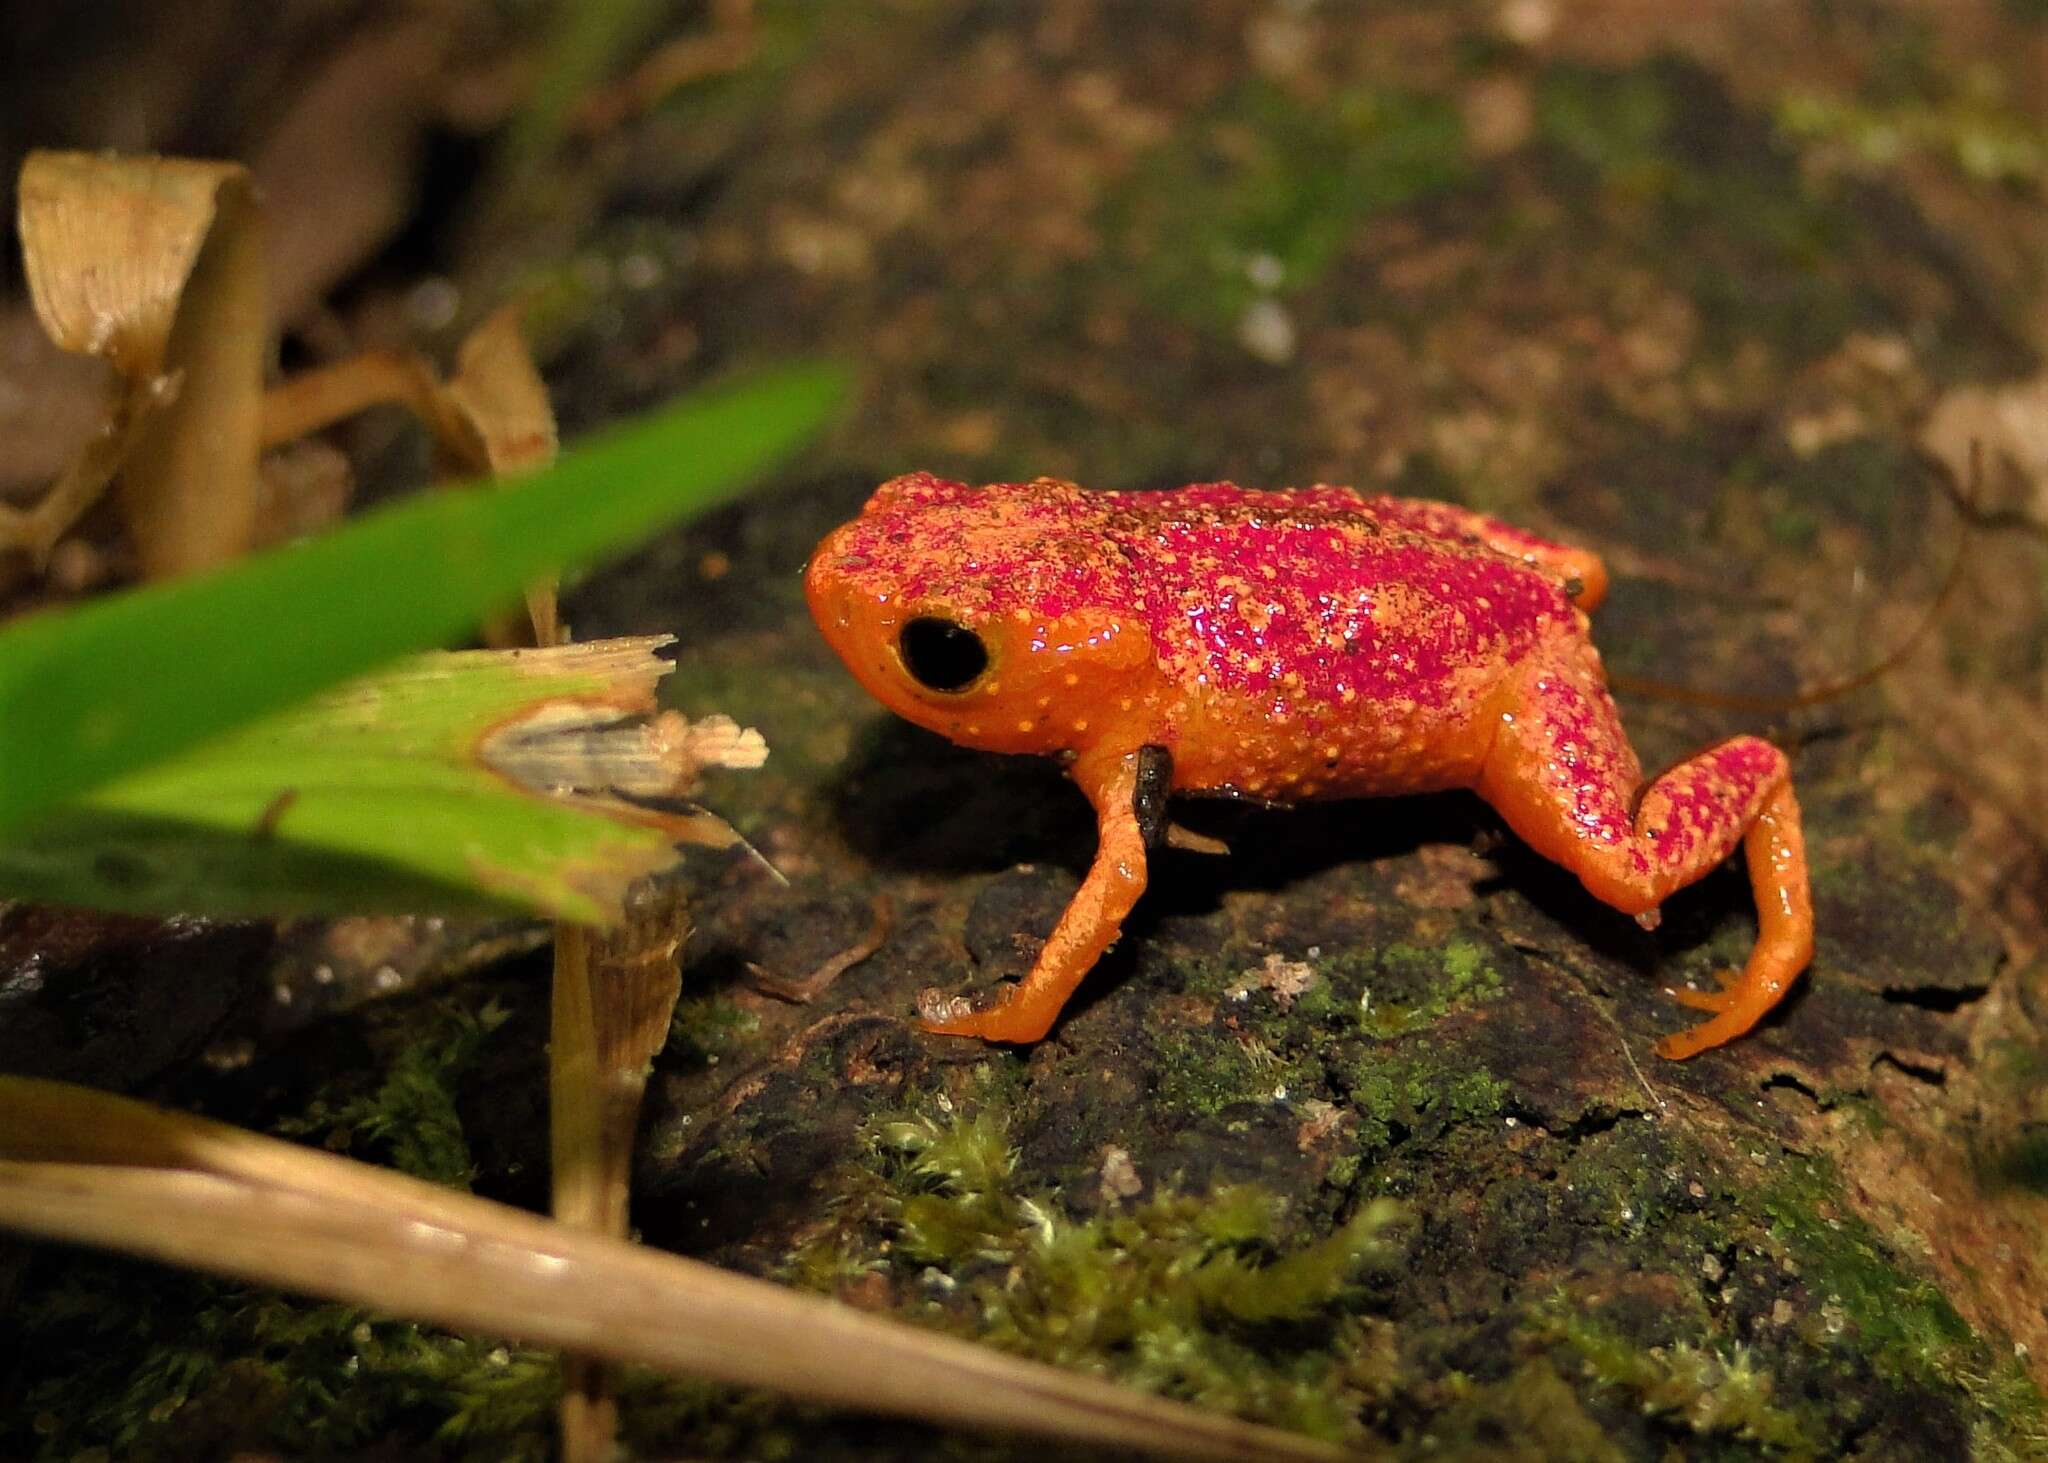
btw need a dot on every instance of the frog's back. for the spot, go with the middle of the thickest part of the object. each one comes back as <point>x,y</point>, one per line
<point>1344,641</point>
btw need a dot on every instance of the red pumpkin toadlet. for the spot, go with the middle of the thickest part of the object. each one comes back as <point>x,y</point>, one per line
<point>1310,643</point>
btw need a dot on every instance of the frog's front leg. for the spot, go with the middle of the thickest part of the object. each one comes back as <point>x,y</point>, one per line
<point>1563,775</point>
<point>1113,784</point>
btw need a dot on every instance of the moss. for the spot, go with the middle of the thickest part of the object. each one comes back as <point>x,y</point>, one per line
<point>1794,528</point>
<point>409,1118</point>
<point>1892,904</point>
<point>1277,1050</point>
<point>2018,1064</point>
<point>1705,1390</point>
<point>1385,992</point>
<point>1407,988</point>
<point>164,1367</point>
<point>1532,1413</point>
<point>1614,123</point>
<point>1904,1326</point>
<point>1203,1072</point>
<point>955,1202</point>
<point>160,1366</point>
<point>705,1028</point>
<point>1194,1297</point>
<point>1392,1088</point>
<point>1715,203</point>
<point>719,1421</point>
<point>1261,195</point>
<point>1970,124</point>
<point>156,1365</point>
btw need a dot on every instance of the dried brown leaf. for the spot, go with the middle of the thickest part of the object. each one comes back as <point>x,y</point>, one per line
<point>156,266</point>
<point>108,244</point>
<point>498,390</point>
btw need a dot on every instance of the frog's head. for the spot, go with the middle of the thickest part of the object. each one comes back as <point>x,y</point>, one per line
<point>998,617</point>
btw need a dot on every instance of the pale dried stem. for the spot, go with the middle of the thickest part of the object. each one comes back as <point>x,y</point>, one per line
<point>614,996</point>
<point>328,394</point>
<point>83,482</point>
<point>588,1418</point>
<point>191,491</point>
<point>86,1168</point>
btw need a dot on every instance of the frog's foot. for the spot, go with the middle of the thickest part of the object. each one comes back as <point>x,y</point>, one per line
<point>1738,1005</point>
<point>1729,983</point>
<point>1009,1019</point>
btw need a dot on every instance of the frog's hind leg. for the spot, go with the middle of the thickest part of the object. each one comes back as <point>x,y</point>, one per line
<point>1562,773</point>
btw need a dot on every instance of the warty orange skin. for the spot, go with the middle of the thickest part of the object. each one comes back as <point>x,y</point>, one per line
<point>1287,645</point>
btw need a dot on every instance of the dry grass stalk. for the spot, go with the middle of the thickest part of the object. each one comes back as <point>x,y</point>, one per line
<point>87,1168</point>
<point>612,994</point>
<point>615,993</point>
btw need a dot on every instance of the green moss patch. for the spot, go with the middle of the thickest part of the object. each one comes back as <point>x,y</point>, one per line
<point>1704,1389</point>
<point>1261,195</point>
<point>409,1117</point>
<point>1905,1328</point>
<point>1407,988</point>
<point>1393,1089</point>
<point>1193,1297</point>
<point>171,1367</point>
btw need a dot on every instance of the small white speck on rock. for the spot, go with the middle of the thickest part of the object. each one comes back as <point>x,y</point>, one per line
<point>1119,1176</point>
<point>1266,330</point>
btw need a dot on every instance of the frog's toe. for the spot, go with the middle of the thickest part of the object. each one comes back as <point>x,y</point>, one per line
<point>1723,1029</point>
<point>1007,1020</point>
<point>947,1015</point>
<point>1717,1000</point>
<point>1737,1006</point>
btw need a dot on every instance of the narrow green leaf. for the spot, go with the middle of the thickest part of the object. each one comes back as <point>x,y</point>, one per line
<point>382,794</point>
<point>90,693</point>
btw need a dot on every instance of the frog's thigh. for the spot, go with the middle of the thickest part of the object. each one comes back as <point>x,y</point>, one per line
<point>1562,774</point>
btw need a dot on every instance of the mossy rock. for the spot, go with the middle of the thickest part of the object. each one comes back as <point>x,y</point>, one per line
<point>1037,242</point>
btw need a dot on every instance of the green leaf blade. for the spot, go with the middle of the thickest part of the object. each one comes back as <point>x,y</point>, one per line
<point>374,797</point>
<point>90,693</point>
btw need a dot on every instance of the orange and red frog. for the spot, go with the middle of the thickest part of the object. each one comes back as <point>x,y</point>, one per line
<point>1312,643</point>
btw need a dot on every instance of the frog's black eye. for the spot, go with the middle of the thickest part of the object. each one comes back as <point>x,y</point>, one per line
<point>940,655</point>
